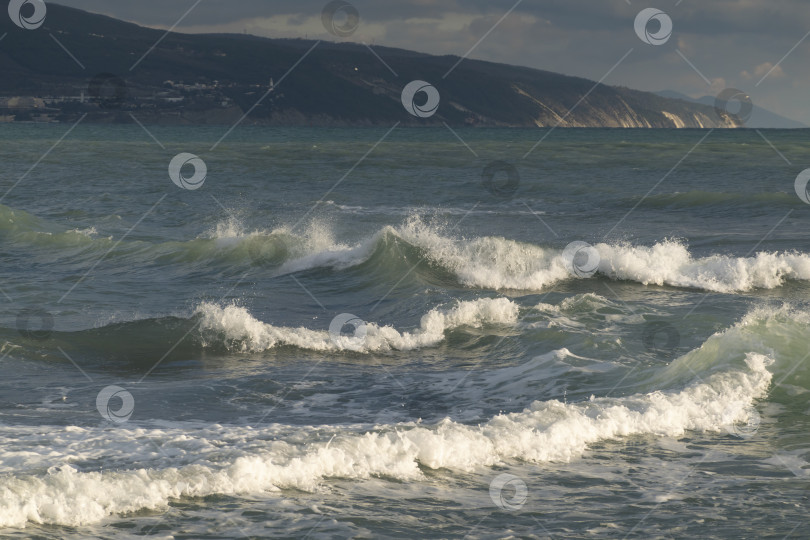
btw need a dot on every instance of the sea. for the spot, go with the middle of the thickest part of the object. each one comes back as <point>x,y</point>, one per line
<point>403,332</point>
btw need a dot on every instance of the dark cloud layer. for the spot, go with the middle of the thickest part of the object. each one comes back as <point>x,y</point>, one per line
<point>729,42</point>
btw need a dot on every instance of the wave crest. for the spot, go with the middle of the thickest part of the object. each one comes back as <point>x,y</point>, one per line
<point>545,431</point>
<point>487,262</point>
<point>239,330</point>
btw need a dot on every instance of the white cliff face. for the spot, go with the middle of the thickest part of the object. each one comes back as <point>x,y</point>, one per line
<point>675,119</point>
<point>620,109</point>
<point>559,118</point>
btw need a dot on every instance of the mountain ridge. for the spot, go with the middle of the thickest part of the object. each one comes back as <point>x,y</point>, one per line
<point>217,78</point>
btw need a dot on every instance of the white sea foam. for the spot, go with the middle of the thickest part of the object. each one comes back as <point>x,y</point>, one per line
<point>670,263</point>
<point>490,262</point>
<point>545,431</point>
<point>500,263</point>
<point>315,238</point>
<point>88,232</point>
<point>197,460</point>
<point>487,262</point>
<point>244,332</point>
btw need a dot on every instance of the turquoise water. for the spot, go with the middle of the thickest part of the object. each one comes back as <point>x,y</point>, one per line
<point>168,368</point>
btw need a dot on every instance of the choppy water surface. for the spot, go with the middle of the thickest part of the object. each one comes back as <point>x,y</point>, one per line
<point>316,344</point>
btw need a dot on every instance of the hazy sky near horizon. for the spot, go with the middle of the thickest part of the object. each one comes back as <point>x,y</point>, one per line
<point>758,46</point>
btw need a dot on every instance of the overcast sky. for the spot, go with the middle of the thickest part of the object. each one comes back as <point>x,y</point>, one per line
<point>732,43</point>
